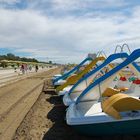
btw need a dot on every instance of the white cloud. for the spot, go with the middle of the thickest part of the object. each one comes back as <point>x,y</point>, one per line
<point>70,38</point>
<point>77,7</point>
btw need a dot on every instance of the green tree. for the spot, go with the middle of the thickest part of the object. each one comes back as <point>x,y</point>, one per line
<point>11,56</point>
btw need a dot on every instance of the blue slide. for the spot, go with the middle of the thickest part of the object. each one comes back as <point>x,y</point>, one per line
<point>134,55</point>
<point>106,62</point>
<point>64,76</point>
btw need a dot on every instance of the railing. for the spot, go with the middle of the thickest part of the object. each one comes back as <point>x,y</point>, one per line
<point>122,48</point>
<point>101,53</point>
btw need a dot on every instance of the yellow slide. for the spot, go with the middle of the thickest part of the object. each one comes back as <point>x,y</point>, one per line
<point>74,78</point>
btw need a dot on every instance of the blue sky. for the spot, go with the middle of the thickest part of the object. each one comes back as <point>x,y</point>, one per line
<point>67,30</point>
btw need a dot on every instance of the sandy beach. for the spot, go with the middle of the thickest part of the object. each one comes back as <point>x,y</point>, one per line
<point>17,98</point>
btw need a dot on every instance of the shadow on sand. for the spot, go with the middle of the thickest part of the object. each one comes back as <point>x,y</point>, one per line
<point>51,92</point>
<point>61,131</point>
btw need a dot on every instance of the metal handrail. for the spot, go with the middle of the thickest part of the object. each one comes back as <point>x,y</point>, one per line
<point>118,46</point>
<point>127,46</point>
<point>101,52</point>
<point>98,53</point>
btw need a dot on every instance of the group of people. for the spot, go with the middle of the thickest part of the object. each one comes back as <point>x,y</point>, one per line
<point>24,68</point>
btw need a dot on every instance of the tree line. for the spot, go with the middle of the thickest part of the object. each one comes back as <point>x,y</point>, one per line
<point>11,56</point>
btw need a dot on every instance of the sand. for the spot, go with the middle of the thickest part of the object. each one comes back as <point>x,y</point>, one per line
<point>16,99</point>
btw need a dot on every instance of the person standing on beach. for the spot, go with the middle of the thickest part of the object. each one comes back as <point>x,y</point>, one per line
<point>22,69</point>
<point>36,68</point>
